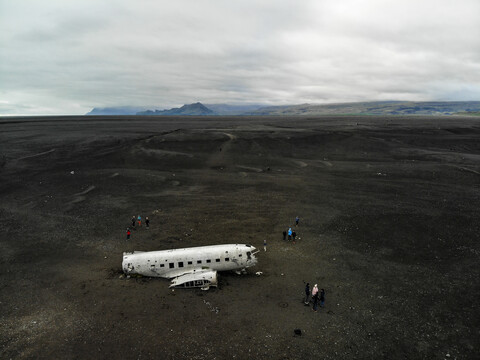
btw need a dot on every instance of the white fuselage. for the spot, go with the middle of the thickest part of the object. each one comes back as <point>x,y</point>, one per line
<point>176,262</point>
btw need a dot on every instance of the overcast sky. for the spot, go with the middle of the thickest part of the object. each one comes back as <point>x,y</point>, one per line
<point>66,57</point>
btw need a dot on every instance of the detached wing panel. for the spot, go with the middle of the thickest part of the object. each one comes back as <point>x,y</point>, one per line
<point>196,278</point>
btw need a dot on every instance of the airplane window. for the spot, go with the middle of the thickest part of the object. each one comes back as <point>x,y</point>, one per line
<point>199,261</point>
<point>171,265</point>
<point>180,264</point>
<point>217,260</point>
<point>240,255</point>
<point>209,261</point>
<point>189,263</point>
<point>162,265</point>
<point>227,259</point>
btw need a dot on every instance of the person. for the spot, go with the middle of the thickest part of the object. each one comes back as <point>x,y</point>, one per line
<point>322,297</point>
<point>284,235</point>
<point>265,245</point>
<point>133,221</point>
<point>297,219</point>
<point>147,222</point>
<point>307,293</point>
<point>314,290</point>
<point>294,235</point>
<point>315,301</point>
<point>289,233</point>
<point>128,233</point>
<point>139,219</point>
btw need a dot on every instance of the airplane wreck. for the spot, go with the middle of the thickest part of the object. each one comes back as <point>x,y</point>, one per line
<point>190,267</point>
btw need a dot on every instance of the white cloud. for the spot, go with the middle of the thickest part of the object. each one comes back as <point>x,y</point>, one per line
<point>69,56</point>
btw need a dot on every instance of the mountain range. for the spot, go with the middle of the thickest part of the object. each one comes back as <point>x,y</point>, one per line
<point>354,108</point>
<point>196,109</point>
<point>374,108</point>
<point>118,110</point>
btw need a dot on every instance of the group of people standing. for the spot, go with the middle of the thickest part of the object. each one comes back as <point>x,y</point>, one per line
<point>291,233</point>
<point>316,296</point>
<point>137,220</point>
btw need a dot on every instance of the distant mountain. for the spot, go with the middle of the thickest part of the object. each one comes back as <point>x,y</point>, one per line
<point>217,109</point>
<point>373,108</point>
<point>120,110</point>
<point>468,113</point>
<point>196,109</point>
<point>355,108</point>
<point>227,109</point>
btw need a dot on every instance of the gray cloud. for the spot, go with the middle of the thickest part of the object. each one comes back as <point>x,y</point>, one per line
<point>66,57</point>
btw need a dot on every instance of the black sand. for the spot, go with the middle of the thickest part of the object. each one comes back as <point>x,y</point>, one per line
<point>389,226</point>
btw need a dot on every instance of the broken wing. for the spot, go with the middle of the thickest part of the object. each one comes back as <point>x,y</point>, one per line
<point>196,278</point>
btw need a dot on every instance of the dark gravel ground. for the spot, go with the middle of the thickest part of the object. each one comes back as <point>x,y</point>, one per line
<point>390,226</point>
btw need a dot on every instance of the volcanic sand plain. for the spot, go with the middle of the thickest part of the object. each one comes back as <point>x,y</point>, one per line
<point>389,227</point>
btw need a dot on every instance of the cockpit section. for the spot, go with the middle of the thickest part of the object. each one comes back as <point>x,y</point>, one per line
<point>251,258</point>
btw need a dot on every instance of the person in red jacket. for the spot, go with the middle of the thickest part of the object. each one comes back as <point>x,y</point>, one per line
<point>128,233</point>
